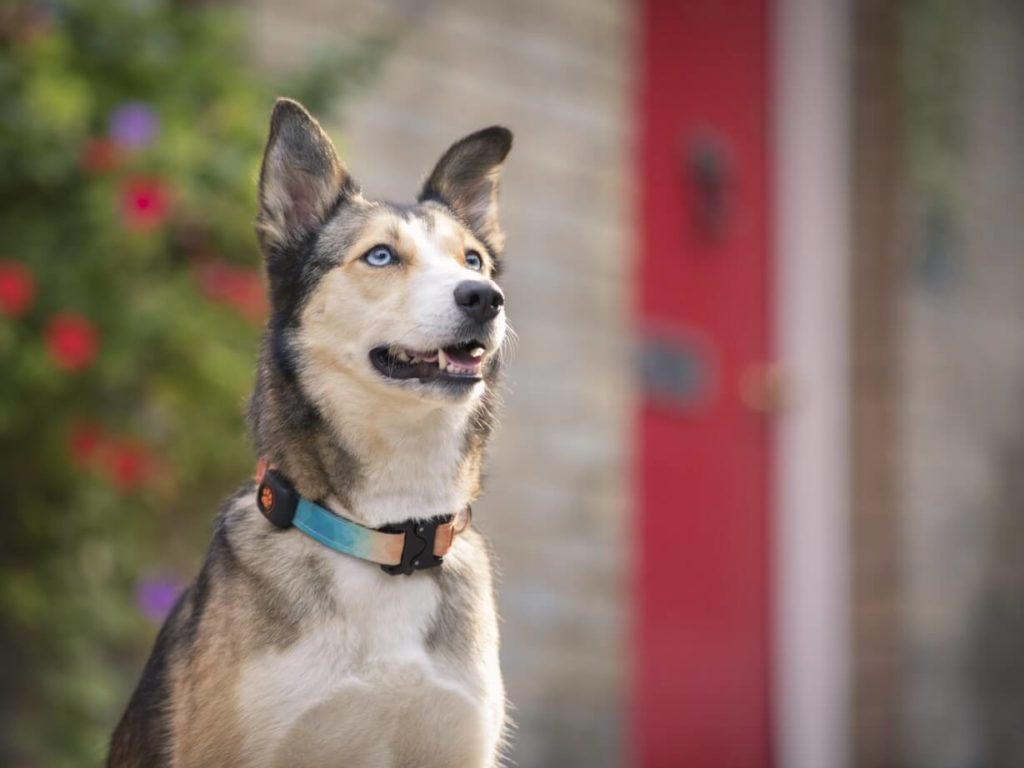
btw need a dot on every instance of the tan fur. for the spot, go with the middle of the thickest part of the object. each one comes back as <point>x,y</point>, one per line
<point>285,652</point>
<point>357,307</point>
<point>206,721</point>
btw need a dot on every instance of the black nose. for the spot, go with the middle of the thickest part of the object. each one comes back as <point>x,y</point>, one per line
<point>481,301</point>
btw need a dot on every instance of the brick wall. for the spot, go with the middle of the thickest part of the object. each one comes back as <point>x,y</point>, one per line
<point>558,73</point>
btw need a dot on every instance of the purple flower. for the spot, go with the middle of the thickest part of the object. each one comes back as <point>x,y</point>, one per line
<point>134,125</point>
<point>155,596</point>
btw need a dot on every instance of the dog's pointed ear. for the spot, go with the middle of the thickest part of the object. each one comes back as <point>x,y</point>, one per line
<point>301,178</point>
<point>466,179</point>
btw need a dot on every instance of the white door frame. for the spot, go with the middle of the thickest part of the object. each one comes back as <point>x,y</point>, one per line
<point>812,64</point>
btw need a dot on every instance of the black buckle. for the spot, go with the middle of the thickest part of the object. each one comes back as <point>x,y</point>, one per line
<point>277,499</point>
<point>418,551</point>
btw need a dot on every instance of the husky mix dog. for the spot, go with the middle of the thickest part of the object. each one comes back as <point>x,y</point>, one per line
<point>323,628</point>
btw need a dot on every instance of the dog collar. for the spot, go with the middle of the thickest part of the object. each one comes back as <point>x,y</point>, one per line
<point>402,548</point>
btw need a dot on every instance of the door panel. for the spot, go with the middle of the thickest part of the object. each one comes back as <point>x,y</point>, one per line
<point>701,695</point>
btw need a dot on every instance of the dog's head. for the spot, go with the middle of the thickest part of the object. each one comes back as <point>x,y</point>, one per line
<point>392,300</point>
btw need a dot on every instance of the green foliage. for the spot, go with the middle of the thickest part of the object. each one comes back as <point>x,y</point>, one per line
<point>130,306</point>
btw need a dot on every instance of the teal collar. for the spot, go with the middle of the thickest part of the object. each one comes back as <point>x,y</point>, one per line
<point>402,548</point>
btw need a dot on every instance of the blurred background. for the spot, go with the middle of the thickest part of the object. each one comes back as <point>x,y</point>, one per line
<point>758,494</point>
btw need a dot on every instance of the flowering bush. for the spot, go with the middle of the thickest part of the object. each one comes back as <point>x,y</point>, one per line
<point>130,309</point>
<point>17,288</point>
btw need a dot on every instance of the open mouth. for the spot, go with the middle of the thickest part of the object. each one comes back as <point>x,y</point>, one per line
<point>456,364</point>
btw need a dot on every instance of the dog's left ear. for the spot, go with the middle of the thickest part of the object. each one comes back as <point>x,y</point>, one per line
<point>302,176</point>
<point>466,179</point>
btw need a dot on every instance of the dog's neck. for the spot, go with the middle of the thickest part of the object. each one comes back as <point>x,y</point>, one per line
<point>412,463</point>
<point>373,465</point>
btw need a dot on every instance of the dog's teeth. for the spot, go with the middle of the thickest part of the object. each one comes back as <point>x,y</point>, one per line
<point>403,356</point>
<point>476,352</point>
<point>442,360</point>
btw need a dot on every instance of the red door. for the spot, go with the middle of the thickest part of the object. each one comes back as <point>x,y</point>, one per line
<point>701,684</point>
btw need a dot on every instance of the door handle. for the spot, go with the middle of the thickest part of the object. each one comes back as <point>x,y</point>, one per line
<point>769,389</point>
<point>709,171</point>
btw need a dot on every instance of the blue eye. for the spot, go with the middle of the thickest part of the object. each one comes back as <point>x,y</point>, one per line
<point>380,256</point>
<point>473,261</point>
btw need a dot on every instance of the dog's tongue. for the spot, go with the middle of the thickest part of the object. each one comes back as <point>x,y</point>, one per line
<point>461,356</point>
<point>457,360</point>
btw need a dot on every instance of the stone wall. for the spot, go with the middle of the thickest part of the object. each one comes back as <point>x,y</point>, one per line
<point>963,368</point>
<point>938,280</point>
<point>559,74</point>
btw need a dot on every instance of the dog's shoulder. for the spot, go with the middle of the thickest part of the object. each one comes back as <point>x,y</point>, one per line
<point>144,735</point>
<point>281,574</point>
<point>253,593</point>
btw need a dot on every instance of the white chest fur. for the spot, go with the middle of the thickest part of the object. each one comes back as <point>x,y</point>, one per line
<point>362,689</point>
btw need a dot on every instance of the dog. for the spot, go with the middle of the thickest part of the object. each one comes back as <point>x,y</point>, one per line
<point>345,614</point>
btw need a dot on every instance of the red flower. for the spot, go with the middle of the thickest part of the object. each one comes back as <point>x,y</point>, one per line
<point>235,286</point>
<point>99,155</point>
<point>84,444</point>
<point>145,203</point>
<point>71,341</point>
<point>127,464</point>
<point>17,288</point>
